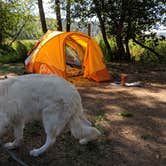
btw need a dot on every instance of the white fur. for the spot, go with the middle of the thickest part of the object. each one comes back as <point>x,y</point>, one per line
<point>49,98</point>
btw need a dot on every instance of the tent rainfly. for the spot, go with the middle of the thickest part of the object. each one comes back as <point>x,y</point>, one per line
<point>48,56</point>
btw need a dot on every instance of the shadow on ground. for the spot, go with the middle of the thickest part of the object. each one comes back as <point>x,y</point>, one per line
<point>139,139</point>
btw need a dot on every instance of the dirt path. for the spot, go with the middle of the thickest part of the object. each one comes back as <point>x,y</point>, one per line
<point>132,121</point>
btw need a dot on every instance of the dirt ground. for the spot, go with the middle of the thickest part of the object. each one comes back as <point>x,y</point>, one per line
<point>132,121</point>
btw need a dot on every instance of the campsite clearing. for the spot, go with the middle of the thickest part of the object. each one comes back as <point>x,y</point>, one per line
<point>132,121</point>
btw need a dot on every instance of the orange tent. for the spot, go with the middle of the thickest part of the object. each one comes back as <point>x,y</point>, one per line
<point>49,56</point>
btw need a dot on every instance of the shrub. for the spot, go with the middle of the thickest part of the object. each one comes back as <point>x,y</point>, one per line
<point>21,50</point>
<point>103,47</point>
<point>161,49</point>
<point>149,58</point>
<point>138,53</point>
<point>16,53</point>
<point>8,54</point>
<point>28,43</point>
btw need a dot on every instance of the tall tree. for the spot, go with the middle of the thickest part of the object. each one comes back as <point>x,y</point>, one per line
<point>85,10</point>
<point>98,8</point>
<point>58,15</point>
<point>142,16</point>
<point>68,18</point>
<point>125,20</point>
<point>115,13</point>
<point>128,19</point>
<point>42,16</point>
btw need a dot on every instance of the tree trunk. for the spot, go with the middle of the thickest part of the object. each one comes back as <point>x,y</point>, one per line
<point>42,16</point>
<point>106,41</point>
<point>1,39</point>
<point>119,42</point>
<point>128,55</point>
<point>128,36</point>
<point>119,31</point>
<point>103,29</point>
<point>58,15</point>
<point>68,19</point>
<point>89,29</point>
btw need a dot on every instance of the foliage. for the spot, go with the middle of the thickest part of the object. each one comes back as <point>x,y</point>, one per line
<point>113,46</point>
<point>6,20</point>
<point>28,43</point>
<point>136,51</point>
<point>15,14</point>
<point>15,53</point>
<point>31,32</point>
<point>8,54</point>
<point>147,56</point>
<point>124,20</point>
<point>128,19</point>
<point>21,51</point>
<point>103,48</point>
<point>139,54</point>
<point>161,47</point>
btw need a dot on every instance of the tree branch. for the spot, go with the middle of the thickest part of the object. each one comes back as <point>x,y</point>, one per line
<point>18,33</point>
<point>146,47</point>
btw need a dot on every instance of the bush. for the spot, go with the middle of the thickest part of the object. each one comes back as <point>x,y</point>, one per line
<point>104,50</point>
<point>150,58</point>
<point>161,49</point>
<point>8,54</point>
<point>21,50</point>
<point>103,47</point>
<point>29,43</point>
<point>138,53</point>
<point>16,53</point>
<point>22,47</point>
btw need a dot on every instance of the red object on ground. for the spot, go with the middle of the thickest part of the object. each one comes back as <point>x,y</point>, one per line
<point>123,79</point>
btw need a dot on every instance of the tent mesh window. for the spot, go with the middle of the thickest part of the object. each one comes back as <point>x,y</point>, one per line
<point>74,66</point>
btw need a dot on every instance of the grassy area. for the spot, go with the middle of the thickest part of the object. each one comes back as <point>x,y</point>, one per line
<point>17,52</point>
<point>17,68</point>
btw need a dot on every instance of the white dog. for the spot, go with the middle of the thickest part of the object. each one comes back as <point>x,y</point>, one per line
<point>49,98</point>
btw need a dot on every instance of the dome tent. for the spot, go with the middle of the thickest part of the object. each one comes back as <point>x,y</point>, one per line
<point>49,56</point>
